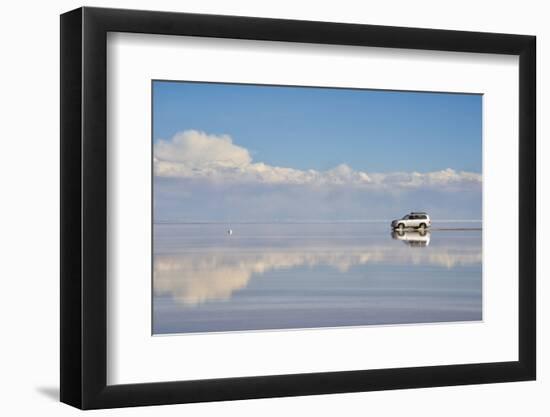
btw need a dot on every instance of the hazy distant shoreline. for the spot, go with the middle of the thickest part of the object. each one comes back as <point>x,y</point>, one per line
<point>306,222</point>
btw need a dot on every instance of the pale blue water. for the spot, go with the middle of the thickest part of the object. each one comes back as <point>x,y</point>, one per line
<point>285,276</point>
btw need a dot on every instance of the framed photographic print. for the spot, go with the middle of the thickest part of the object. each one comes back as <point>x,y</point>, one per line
<point>257,207</point>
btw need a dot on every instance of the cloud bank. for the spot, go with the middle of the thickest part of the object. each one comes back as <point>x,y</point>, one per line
<point>197,155</point>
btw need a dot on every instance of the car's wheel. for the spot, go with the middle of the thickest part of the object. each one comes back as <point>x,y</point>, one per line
<point>401,227</point>
<point>422,226</point>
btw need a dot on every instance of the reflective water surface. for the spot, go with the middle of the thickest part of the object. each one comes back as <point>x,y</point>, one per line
<point>283,276</point>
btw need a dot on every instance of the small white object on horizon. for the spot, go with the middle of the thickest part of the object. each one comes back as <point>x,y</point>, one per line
<point>229,232</point>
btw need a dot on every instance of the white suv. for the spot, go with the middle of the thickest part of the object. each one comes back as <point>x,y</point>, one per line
<point>416,220</point>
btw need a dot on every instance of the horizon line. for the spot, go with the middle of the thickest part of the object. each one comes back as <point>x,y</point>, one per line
<point>303,221</point>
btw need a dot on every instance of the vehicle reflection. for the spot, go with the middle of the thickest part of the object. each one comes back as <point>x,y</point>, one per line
<point>413,238</point>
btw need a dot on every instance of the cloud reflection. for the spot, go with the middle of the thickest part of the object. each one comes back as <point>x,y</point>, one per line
<point>194,278</point>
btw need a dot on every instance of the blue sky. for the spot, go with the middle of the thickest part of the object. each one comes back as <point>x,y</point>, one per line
<point>318,128</point>
<point>229,152</point>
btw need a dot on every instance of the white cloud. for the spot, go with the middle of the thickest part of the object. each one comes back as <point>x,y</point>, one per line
<point>192,153</point>
<point>197,155</point>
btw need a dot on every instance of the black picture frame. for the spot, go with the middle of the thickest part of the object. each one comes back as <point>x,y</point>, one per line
<point>84,207</point>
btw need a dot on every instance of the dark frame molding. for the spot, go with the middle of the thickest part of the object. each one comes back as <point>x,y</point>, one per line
<point>84,207</point>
